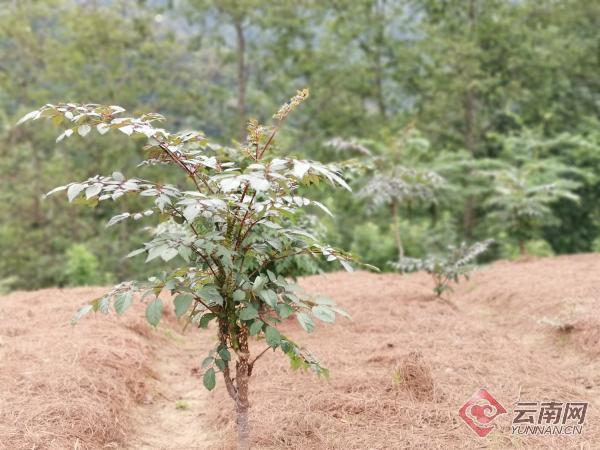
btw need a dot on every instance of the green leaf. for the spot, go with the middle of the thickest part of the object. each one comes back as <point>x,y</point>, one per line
<point>272,336</point>
<point>84,130</point>
<point>249,312</point>
<point>210,293</point>
<point>74,190</point>
<point>220,364</point>
<point>284,310</point>
<point>135,252</point>
<point>256,327</point>
<point>209,379</point>
<point>207,361</point>
<point>224,353</point>
<point>93,190</point>
<point>324,314</point>
<point>259,282</point>
<point>205,319</point>
<point>305,322</point>
<point>346,265</point>
<point>191,212</point>
<point>154,311</point>
<point>340,311</point>
<point>155,252</point>
<point>182,303</point>
<point>185,253</point>
<point>85,309</point>
<point>122,302</point>
<point>324,301</point>
<point>239,295</point>
<point>100,304</point>
<point>168,253</point>
<point>269,297</point>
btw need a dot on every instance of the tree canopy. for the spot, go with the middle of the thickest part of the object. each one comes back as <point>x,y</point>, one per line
<point>484,84</point>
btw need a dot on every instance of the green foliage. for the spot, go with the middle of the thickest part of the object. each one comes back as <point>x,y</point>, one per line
<point>475,78</point>
<point>82,267</point>
<point>392,185</point>
<point>522,197</point>
<point>448,268</point>
<point>375,246</point>
<point>7,283</point>
<point>537,247</point>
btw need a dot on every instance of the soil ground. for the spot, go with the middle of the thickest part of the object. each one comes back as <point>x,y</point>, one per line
<point>400,369</point>
<point>173,413</point>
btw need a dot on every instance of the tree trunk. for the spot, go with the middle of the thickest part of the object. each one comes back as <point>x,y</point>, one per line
<point>242,404</point>
<point>522,249</point>
<point>241,77</point>
<point>243,426</point>
<point>470,134</point>
<point>469,217</point>
<point>397,236</point>
<point>238,388</point>
<point>379,42</point>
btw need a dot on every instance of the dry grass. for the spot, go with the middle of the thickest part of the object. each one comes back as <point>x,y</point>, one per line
<point>414,375</point>
<point>443,355</point>
<point>62,386</point>
<point>401,369</point>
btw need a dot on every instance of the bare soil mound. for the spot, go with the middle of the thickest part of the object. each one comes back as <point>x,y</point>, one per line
<point>63,386</point>
<point>400,369</point>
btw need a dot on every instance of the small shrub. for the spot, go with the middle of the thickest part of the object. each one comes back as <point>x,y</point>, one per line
<point>7,283</point>
<point>446,269</point>
<point>81,267</point>
<point>374,245</point>
<point>536,247</point>
<point>522,198</point>
<point>230,217</point>
<point>398,177</point>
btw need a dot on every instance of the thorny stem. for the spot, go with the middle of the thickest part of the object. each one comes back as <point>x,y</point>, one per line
<point>190,317</point>
<point>270,260</point>
<point>231,390</point>
<point>196,249</point>
<point>238,241</point>
<point>199,300</point>
<point>248,230</point>
<point>258,356</point>
<point>260,154</point>
<point>191,174</point>
<point>237,387</point>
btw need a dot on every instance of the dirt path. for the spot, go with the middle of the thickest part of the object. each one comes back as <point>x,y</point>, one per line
<point>173,416</point>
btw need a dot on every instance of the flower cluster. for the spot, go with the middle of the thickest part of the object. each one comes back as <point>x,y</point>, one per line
<point>256,131</point>
<point>291,104</point>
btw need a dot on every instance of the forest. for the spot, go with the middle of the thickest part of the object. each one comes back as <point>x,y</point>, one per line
<point>455,121</point>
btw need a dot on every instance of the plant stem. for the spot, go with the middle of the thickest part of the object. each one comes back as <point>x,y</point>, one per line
<point>397,236</point>
<point>191,174</point>
<point>242,402</point>
<point>258,356</point>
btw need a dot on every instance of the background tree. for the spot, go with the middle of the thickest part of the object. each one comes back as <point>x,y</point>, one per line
<point>397,186</point>
<point>467,74</point>
<point>522,198</point>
